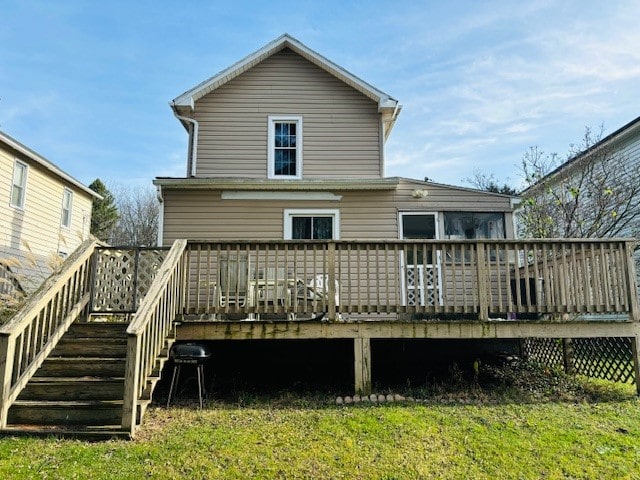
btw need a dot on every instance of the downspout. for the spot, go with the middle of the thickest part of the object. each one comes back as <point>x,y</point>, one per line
<point>160,216</point>
<point>193,141</point>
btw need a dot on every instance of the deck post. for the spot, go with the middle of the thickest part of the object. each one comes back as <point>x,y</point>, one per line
<point>567,356</point>
<point>131,384</point>
<point>7,351</point>
<point>635,349</point>
<point>331,280</point>
<point>483,291</point>
<point>362,365</point>
<point>634,308</point>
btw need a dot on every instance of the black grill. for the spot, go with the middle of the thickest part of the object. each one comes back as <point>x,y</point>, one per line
<point>196,354</point>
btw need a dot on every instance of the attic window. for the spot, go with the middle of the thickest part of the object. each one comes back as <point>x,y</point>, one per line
<point>285,147</point>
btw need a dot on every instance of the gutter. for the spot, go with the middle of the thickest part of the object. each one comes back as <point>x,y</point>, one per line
<point>193,140</point>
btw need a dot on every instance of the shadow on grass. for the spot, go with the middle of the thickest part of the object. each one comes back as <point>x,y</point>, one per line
<point>515,382</point>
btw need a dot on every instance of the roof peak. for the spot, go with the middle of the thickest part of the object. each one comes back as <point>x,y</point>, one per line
<point>188,98</point>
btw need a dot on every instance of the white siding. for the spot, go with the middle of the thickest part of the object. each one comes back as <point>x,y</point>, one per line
<point>36,231</point>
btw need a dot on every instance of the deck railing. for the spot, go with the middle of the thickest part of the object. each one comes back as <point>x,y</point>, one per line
<point>479,279</point>
<point>148,332</point>
<point>27,339</point>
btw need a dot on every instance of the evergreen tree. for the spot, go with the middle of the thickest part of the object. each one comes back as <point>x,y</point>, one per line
<point>105,213</point>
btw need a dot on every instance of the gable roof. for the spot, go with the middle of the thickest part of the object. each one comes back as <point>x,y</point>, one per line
<point>385,101</point>
<point>43,162</point>
<point>626,130</point>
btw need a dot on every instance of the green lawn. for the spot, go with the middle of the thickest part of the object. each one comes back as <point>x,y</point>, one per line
<point>554,429</point>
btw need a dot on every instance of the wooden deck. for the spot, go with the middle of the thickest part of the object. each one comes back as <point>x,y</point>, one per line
<point>362,332</point>
<point>246,290</point>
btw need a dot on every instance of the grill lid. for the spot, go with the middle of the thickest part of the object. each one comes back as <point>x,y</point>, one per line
<point>190,351</point>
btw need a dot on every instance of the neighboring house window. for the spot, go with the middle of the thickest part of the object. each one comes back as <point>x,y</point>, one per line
<point>67,204</point>
<point>312,224</point>
<point>285,147</point>
<point>19,184</point>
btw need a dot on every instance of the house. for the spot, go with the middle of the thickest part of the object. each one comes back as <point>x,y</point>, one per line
<point>285,144</point>
<point>47,214</point>
<point>285,227</point>
<point>610,165</point>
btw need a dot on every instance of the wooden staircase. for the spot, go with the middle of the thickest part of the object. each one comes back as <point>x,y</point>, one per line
<point>78,390</point>
<point>61,375</point>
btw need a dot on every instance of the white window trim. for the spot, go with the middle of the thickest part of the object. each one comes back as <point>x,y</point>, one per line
<point>272,120</point>
<point>24,186</point>
<point>403,285</point>
<point>334,213</point>
<point>70,208</point>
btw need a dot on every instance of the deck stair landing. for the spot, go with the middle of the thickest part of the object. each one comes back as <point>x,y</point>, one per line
<point>78,390</point>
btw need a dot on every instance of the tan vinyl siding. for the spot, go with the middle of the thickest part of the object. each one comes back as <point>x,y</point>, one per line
<point>366,215</point>
<point>38,224</point>
<point>341,126</point>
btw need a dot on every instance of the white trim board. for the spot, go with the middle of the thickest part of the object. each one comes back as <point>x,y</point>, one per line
<point>297,196</point>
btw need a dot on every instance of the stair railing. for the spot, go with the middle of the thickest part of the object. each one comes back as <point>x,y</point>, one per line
<point>34,331</point>
<point>152,325</point>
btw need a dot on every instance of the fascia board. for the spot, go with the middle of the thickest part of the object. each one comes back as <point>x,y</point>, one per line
<point>189,97</point>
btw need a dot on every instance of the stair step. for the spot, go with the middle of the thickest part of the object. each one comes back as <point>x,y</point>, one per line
<point>65,413</point>
<point>73,388</point>
<point>81,366</point>
<point>90,347</point>
<point>95,329</point>
<point>82,432</point>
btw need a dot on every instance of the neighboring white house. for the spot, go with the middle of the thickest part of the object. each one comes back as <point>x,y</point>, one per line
<point>621,149</point>
<point>46,215</point>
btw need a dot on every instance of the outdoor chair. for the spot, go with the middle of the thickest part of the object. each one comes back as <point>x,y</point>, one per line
<point>233,280</point>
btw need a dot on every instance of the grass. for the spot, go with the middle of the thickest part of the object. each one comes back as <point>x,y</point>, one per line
<point>543,426</point>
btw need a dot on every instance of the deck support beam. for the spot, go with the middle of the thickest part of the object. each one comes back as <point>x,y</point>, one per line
<point>307,330</point>
<point>362,365</point>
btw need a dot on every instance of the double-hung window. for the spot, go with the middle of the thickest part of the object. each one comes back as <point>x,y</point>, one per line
<point>312,224</point>
<point>67,205</point>
<point>285,146</point>
<point>19,184</point>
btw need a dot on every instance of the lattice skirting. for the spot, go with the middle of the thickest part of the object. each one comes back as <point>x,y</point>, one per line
<point>609,358</point>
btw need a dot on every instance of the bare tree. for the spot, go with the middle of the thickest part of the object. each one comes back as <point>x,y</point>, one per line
<point>596,193</point>
<point>489,183</point>
<point>139,215</point>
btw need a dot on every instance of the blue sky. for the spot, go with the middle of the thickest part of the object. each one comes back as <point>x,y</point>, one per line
<point>87,83</point>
